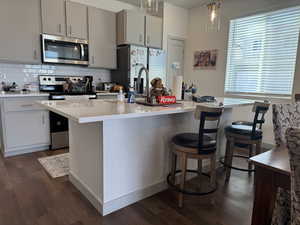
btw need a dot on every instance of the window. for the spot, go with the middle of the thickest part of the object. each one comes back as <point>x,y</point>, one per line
<point>262,53</point>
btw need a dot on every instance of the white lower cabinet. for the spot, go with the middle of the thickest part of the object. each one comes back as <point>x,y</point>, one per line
<point>25,126</point>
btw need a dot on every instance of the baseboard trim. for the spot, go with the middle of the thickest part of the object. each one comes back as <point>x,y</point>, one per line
<point>116,204</point>
<point>83,188</point>
<point>133,197</point>
<point>24,151</point>
<point>123,201</point>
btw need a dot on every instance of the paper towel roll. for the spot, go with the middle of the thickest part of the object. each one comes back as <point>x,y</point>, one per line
<point>177,87</point>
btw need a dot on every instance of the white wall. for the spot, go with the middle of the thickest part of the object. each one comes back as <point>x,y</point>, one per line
<point>176,21</point>
<point>211,82</point>
<point>175,25</point>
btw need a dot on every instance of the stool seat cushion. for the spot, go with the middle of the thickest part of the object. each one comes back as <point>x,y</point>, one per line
<point>191,140</point>
<point>247,123</point>
<point>241,145</point>
<point>244,130</point>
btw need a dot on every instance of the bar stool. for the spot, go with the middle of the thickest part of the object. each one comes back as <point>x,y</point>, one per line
<point>198,146</point>
<point>245,135</point>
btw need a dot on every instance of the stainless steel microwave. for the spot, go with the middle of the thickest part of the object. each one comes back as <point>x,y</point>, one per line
<point>65,50</point>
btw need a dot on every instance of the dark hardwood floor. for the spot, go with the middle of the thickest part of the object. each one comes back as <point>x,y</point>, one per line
<point>28,196</point>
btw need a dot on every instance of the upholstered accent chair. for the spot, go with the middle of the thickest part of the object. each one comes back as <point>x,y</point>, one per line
<point>284,117</point>
<point>293,144</point>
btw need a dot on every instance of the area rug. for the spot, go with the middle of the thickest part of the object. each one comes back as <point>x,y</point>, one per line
<point>57,165</point>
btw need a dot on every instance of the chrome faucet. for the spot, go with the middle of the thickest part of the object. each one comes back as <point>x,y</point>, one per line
<point>143,68</point>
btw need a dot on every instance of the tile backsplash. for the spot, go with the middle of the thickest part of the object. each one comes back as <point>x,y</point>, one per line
<point>24,74</point>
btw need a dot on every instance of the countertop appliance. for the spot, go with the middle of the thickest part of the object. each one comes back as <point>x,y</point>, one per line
<point>131,59</point>
<point>202,99</point>
<point>62,88</point>
<point>105,86</point>
<point>64,50</point>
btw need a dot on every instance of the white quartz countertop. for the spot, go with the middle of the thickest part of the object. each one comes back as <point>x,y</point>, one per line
<point>107,93</point>
<point>22,94</point>
<point>42,94</point>
<point>88,111</point>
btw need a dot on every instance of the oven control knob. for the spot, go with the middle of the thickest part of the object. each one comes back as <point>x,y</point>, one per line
<point>49,79</point>
<point>45,79</point>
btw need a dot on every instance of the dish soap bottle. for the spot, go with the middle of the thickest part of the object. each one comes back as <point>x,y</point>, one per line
<point>121,96</point>
<point>131,95</point>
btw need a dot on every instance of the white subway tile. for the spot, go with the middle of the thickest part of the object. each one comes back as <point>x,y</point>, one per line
<point>21,74</point>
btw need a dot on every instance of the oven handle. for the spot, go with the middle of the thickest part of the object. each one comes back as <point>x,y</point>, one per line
<point>82,51</point>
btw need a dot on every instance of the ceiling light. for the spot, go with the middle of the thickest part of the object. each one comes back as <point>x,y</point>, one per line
<point>214,22</point>
<point>149,6</point>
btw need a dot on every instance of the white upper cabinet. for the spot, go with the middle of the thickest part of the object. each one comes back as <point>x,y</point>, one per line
<point>54,17</point>
<point>77,25</point>
<point>102,38</point>
<point>130,28</point>
<point>139,29</point>
<point>154,27</point>
<point>64,18</point>
<point>20,23</point>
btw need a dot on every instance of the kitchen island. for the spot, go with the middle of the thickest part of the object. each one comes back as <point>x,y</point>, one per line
<point>120,153</point>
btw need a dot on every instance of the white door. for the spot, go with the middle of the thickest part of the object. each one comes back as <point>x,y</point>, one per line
<point>175,60</point>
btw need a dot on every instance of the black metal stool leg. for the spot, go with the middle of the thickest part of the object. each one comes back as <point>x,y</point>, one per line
<point>229,157</point>
<point>226,155</point>
<point>250,166</point>
<point>200,166</point>
<point>258,148</point>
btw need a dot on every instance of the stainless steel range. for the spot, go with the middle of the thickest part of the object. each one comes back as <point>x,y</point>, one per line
<point>64,88</point>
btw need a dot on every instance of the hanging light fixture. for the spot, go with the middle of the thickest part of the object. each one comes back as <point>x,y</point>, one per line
<point>149,6</point>
<point>214,21</point>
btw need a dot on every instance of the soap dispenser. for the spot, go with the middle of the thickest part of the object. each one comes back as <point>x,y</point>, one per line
<point>121,96</point>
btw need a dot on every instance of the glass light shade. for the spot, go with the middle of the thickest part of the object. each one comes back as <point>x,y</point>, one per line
<point>214,21</point>
<point>149,6</point>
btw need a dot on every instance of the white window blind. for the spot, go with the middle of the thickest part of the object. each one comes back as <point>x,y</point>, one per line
<point>262,53</point>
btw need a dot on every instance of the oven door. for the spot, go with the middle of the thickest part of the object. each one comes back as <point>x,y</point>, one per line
<point>56,49</point>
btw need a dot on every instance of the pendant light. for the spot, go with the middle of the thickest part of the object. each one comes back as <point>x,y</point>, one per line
<point>149,6</point>
<point>214,21</point>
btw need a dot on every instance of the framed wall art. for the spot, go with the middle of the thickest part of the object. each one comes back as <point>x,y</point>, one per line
<point>206,59</point>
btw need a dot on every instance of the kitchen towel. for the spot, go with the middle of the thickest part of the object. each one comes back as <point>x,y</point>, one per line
<point>177,87</point>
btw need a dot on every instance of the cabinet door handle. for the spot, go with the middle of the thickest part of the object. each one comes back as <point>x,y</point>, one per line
<point>70,29</point>
<point>141,38</point>
<point>34,54</point>
<point>93,59</point>
<point>43,119</point>
<point>148,39</point>
<point>59,28</point>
